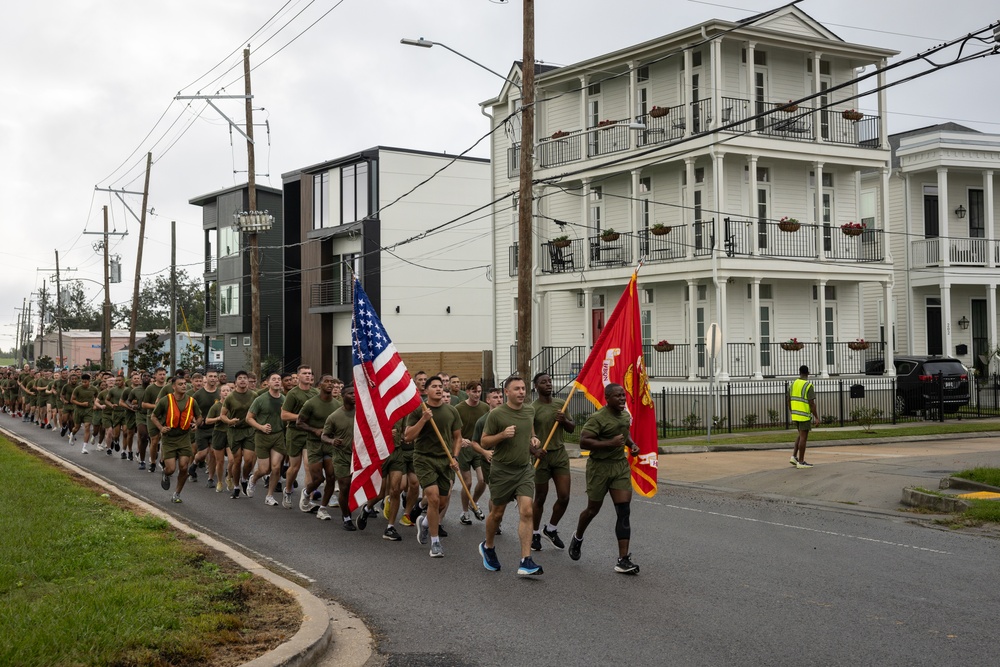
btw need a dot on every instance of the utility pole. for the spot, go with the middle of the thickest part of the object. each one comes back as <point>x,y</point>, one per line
<point>525,242</point>
<point>17,341</point>
<point>173,297</point>
<point>138,263</point>
<point>27,335</point>
<point>106,328</point>
<point>62,360</point>
<point>41,321</point>
<point>252,206</point>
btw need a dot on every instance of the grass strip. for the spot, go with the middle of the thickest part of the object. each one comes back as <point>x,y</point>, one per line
<point>989,476</point>
<point>87,582</point>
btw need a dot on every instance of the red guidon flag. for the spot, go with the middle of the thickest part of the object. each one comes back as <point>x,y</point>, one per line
<point>383,392</point>
<point>617,359</point>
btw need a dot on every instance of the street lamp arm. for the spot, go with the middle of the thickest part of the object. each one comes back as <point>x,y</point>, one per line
<point>426,44</point>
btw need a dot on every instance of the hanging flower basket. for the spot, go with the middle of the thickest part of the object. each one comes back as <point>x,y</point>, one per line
<point>792,345</point>
<point>857,345</point>
<point>660,230</point>
<point>853,228</point>
<point>663,346</point>
<point>787,224</point>
<point>559,134</point>
<point>791,107</point>
<point>852,115</point>
<point>659,112</point>
<point>607,124</point>
<point>610,235</point>
<point>561,243</point>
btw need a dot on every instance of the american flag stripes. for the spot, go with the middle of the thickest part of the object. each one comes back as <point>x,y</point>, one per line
<point>383,392</point>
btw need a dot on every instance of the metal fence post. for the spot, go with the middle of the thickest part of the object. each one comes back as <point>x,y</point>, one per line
<point>940,388</point>
<point>892,400</point>
<point>840,395</point>
<point>729,407</point>
<point>784,402</point>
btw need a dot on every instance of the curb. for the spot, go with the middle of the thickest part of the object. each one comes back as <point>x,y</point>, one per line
<point>700,449</point>
<point>322,628</point>
<point>915,498</point>
<point>965,485</point>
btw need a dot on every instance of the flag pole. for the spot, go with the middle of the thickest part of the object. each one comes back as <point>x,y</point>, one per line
<point>552,431</point>
<point>451,459</point>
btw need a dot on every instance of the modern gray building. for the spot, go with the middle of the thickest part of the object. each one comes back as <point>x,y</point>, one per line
<point>228,323</point>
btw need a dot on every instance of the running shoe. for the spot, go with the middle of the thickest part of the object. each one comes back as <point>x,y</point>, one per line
<point>84,449</point>
<point>124,456</point>
<point>478,513</point>
<point>349,526</point>
<point>490,560</point>
<point>464,519</point>
<point>218,487</point>
<point>415,511</point>
<point>142,465</point>
<point>176,498</point>
<point>236,493</point>
<point>442,532</point>
<point>529,568</point>
<point>243,485</point>
<point>270,501</point>
<point>392,534</point>
<point>363,518</point>
<point>108,451</point>
<point>164,481</point>
<point>575,545</point>
<point>130,456</point>
<point>405,521</point>
<point>322,514</point>
<point>211,483</point>
<point>536,542</point>
<point>792,461</point>
<point>553,537</point>
<point>437,551</point>
<point>229,483</point>
<point>286,501</point>
<point>305,504</point>
<point>422,532</point>
<point>152,467</point>
<point>385,511</point>
<point>193,472</point>
<point>334,501</point>
<point>626,566</point>
<point>251,487</point>
<point>803,464</point>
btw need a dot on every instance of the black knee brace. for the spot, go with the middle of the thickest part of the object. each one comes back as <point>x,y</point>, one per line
<point>623,530</point>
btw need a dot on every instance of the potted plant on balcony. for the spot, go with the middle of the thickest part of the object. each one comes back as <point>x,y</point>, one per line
<point>561,241</point>
<point>792,345</point>
<point>787,224</point>
<point>853,228</point>
<point>852,115</point>
<point>856,345</point>
<point>659,112</point>
<point>559,134</point>
<point>791,107</point>
<point>609,235</point>
<point>663,346</point>
<point>660,229</point>
<point>607,124</point>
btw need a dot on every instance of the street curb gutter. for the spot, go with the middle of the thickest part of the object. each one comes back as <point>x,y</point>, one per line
<point>915,498</point>
<point>320,628</point>
<point>966,485</point>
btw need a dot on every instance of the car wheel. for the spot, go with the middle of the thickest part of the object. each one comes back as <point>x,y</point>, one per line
<point>900,406</point>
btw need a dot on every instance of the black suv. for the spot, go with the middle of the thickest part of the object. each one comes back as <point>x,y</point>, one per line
<point>917,382</point>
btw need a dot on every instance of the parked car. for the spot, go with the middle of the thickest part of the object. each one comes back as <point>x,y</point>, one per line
<point>917,382</point>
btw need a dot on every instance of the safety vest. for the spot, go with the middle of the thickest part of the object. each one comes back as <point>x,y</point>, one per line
<point>800,406</point>
<point>177,418</point>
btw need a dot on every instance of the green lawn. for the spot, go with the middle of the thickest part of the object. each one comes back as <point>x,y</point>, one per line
<point>7,361</point>
<point>989,476</point>
<point>86,582</point>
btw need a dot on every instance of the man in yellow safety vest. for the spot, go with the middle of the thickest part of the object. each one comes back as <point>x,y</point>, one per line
<point>802,405</point>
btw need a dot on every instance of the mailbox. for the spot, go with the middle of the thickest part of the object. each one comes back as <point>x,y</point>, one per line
<point>961,349</point>
<point>857,391</point>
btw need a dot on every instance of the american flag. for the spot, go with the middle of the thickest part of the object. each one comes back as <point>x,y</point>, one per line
<point>384,393</point>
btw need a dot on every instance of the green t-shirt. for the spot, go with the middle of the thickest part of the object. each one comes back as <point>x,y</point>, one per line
<point>160,412</point>
<point>87,394</point>
<point>102,396</point>
<point>135,396</point>
<point>448,421</point>
<point>114,396</point>
<point>545,417</point>
<point>477,433</point>
<point>314,413</point>
<point>294,400</point>
<point>213,413</point>
<point>205,400</point>
<point>470,415</point>
<point>340,424</point>
<point>604,425</point>
<point>67,394</point>
<point>514,451</point>
<point>266,409</point>
<point>151,394</point>
<point>237,404</point>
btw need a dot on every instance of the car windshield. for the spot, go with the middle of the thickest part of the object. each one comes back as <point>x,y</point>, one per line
<point>945,367</point>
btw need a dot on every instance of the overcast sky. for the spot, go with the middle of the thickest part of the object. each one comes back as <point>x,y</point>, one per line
<point>83,82</point>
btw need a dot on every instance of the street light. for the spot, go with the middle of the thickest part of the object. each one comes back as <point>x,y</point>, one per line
<point>426,44</point>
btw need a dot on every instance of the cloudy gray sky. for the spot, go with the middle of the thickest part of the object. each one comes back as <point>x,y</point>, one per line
<point>83,82</point>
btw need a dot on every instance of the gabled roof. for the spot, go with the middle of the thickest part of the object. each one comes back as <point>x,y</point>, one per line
<point>793,20</point>
<point>209,198</point>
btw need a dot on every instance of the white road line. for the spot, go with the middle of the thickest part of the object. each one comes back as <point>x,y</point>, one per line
<point>811,530</point>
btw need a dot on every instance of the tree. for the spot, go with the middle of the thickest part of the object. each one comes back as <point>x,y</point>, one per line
<point>45,363</point>
<point>78,311</point>
<point>148,354</point>
<point>154,303</point>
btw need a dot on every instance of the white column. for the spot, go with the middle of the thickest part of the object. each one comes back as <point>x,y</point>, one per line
<point>755,320</point>
<point>635,211</point>
<point>883,122</point>
<point>718,180</point>
<point>716,82</point>
<point>688,109</point>
<point>886,246</point>
<point>633,111</point>
<point>824,372</point>
<point>689,203</point>
<point>944,242</point>
<point>991,314</point>
<point>750,79</point>
<point>722,364</point>
<point>988,221</point>
<point>817,129</point>
<point>588,328</point>
<point>946,319</point>
<point>585,221</point>
<point>754,204</point>
<point>692,334</point>
<point>583,103</point>
<point>889,317</point>
<point>818,214</point>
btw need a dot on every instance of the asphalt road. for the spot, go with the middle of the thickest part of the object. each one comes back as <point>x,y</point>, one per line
<point>728,578</point>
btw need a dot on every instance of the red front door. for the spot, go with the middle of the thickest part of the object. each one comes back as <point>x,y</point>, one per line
<point>597,323</point>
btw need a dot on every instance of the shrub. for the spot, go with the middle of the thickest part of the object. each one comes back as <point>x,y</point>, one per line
<point>865,416</point>
<point>691,422</point>
<point>773,416</point>
<point>750,419</point>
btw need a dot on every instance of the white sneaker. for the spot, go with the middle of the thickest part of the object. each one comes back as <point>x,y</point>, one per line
<point>286,501</point>
<point>251,486</point>
<point>333,501</point>
<point>84,450</point>
<point>270,501</point>
<point>323,515</point>
<point>305,503</point>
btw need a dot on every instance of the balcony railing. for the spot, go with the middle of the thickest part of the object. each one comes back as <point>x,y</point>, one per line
<point>610,251</point>
<point>960,252</point>
<point>552,152</point>
<point>560,258</point>
<point>666,127</point>
<point>765,238</point>
<point>211,264</point>
<point>798,125</point>
<point>331,293</point>
<point>211,318</point>
<point>608,139</point>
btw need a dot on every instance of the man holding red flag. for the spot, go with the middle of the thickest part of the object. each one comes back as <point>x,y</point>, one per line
<point>616,364</point>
